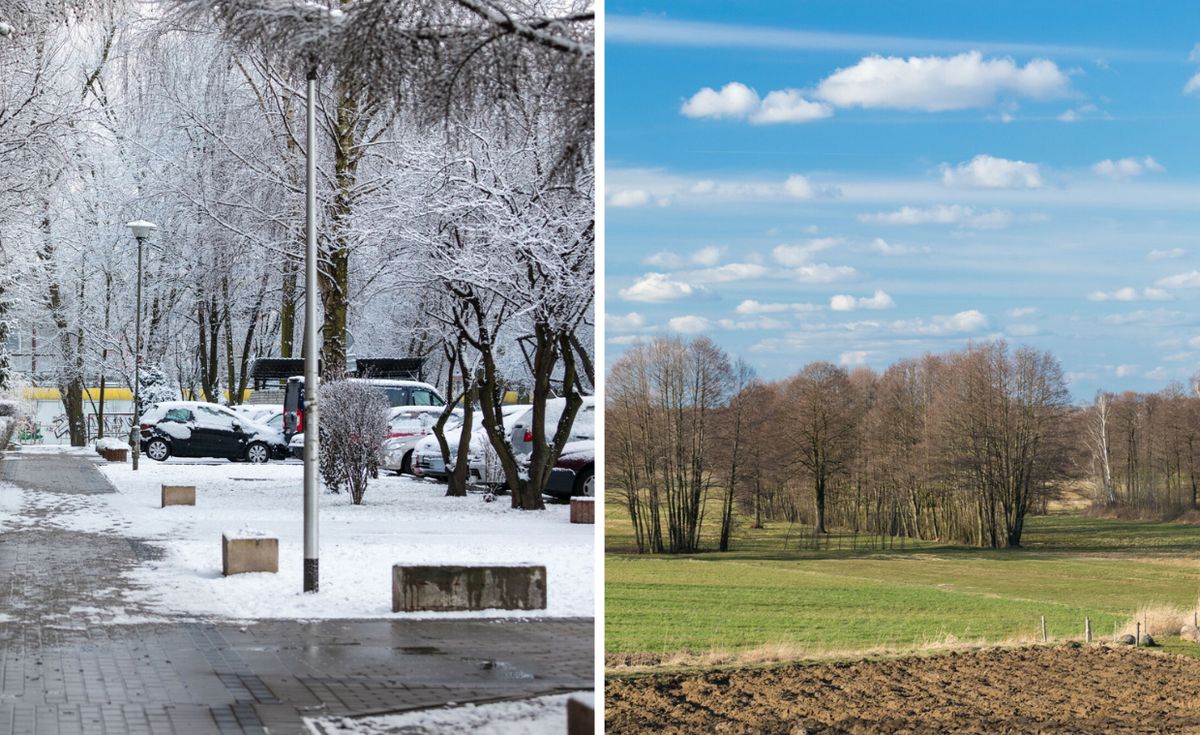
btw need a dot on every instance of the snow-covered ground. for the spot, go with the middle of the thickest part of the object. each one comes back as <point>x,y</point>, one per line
<point>402,520</point>
<point>538,716</point>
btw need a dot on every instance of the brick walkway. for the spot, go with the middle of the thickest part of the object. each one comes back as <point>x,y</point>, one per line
<point>61,674</point>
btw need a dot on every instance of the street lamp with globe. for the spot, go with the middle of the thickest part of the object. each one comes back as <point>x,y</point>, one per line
<point>141,230</point>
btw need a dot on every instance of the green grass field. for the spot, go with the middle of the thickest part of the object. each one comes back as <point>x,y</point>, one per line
<point>840,601</point>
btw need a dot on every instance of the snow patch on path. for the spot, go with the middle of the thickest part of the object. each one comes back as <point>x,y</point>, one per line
<point>537,716</point>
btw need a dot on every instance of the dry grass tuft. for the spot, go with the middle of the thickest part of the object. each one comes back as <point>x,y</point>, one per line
<point>1158,622</point>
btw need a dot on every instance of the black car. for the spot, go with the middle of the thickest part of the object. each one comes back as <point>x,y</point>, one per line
<point>195,429</point>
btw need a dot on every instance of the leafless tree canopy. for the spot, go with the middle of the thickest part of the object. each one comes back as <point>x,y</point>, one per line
<point>958,447</point>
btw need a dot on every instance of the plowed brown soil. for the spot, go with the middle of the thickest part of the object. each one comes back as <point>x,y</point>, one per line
<point>1036,689</point>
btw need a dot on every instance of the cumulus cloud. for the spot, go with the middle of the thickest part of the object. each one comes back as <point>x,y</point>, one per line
<point>989,172</point>
<point>689,324</point>
<point>739,102</point>
<point>708,255</point>
<point>788,106</point>
<point>854,358</point>
<point>1130,294</point>
<point>797,254</point>
<point>1168,254</point>
<point>939,83</point>
<point>846,302</point>
<point>656,288</point>
<point>624,323</point>
<point>1192,84</point>
<point>821,273</point>
<point>750,306</point>
<point>1021,311</point>
<point>1124,371</point>
<point>941,214</point>
<point>1126,168</point>
<point>629,198</point>
<point>883,247</point>
<point>1190,279</point>
<point>764,322</point>
<point>729,272</point>
<point>735,100</point>
<point>797,187</point>
<point>971,320</point>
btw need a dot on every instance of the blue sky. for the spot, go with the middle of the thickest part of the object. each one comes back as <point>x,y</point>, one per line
<point>861,182</point>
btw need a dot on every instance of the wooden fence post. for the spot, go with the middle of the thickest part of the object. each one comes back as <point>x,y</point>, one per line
<point>1043,629</point>
<point>1087,630</point>
<point>1137,636</point>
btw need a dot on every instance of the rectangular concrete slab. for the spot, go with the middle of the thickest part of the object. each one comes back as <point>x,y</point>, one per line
<point>178,495</point>
<point>252,554</point>
<point>477,587</point>
<point>583,510</point>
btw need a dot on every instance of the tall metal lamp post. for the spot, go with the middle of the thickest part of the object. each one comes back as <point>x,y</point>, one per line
<point>141,230</point>
<point>311,376</point>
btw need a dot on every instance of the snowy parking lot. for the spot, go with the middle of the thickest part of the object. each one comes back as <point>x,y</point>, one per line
<point>402,520</point>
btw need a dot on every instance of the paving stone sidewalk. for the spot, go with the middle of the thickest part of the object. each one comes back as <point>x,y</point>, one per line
<point>61,674</point>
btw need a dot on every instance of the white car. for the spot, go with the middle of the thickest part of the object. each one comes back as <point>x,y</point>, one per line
<point>485,463</point>
<point>408,425</point>
<point>427,455</point>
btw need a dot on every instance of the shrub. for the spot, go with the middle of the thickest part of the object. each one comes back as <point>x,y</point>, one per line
<point>353,427</point>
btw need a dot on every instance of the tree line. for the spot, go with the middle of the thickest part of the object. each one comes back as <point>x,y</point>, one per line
<point>955,447</point>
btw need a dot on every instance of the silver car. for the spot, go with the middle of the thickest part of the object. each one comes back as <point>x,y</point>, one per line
<point>485,463</point>
<point>407,425</point>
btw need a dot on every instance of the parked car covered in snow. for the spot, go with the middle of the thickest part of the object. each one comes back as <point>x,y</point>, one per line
<point>427,455</point>
<point>196,429</point>
<point>485,463</point>
<point>574,474</point>
<point>407,425</point>
<point>398,393</point>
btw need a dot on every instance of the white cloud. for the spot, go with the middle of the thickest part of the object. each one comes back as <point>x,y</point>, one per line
<point>689,324</point>
<point>988,172</point>
<point>629,198</point>
<point>764,322</point>
<point>938,83</point>
<point>1130,294</point>
<point>729,272</point>
<point>1194,343</point>
<point>788,106</point>
<point>793,255</point>
<point>883,247</point>
<point>750,306</point>
<point>659,287</point>
<point>1190,279</point>
<point>1021,311</point>
<point>797,187</point>
<point>854,358</point>
<point>941,214</point>
<point>971,320</point>
<point>1123,371</point>
<point>1168,254</point>
<point>626,323</point>
<point>1192,84</point>
<point>1077,113</point>
<point>846,302</point>
<point>735,100</point>
<point>739,102</point>
<point>708,255</point>
<point>821,273</point>
<point>1126,168</point>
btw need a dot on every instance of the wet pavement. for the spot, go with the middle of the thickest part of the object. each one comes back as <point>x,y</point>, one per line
<point>61,672</point>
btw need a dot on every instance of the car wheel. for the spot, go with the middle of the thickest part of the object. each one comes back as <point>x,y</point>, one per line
<point>158,450</point>
<point>406,464</point>
<point>585,483</point>
<point>257,453</point>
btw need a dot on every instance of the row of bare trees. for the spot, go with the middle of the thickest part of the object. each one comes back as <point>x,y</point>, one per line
<point>956,447</point>
<point>1144,449</point>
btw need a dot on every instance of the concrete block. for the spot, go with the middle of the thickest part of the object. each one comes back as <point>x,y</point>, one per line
<point>248,552</point>
<point>178,495</point>
<point>475,587</point>
<point>581,717</point>
<point>583,510</point>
